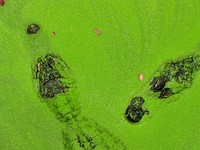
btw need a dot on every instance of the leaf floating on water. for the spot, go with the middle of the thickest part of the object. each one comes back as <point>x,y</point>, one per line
<point>97,31</point>
<point>141,76</point>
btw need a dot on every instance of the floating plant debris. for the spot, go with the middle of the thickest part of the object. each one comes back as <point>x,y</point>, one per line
<point>2,2</point>
<point>158,83</point>
<point>135,111</point>
<point>33,28</point>
<point>97,31</point>
<point>141,76</point>
<point>176,76</point>
<point>165,93</point>
<point>53,33</point>
<point>50,79</point>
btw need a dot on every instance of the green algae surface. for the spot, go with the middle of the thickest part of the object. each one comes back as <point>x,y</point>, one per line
<point>137,37</point>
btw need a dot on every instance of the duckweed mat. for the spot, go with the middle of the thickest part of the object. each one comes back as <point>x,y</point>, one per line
<point>69,75</point>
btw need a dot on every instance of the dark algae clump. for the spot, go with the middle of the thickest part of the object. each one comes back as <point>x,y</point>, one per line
<point>134,111</point>
<point>50,79</point>
<point>158,83</point>
<point>176,76</point>
<point>171,79</point>
<point>57,88</point>
<point>165,93</point>
<point>33,28</point>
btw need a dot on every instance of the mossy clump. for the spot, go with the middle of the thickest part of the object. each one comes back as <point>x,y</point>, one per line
<point>33,28</point>
<point>135,111</point>
<point>175,77</point>
<point>50,79</point>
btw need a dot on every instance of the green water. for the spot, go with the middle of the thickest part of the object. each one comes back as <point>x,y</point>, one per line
<point>137,36</point>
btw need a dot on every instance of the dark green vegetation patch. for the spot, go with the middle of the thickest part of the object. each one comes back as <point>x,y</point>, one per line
<point>86,134</point>
<point>33,28</point>
<point>58,89</point>
<point>134,111</point>
<point>165,93</point>
<point>176,76</point>
<point>50,79</point>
